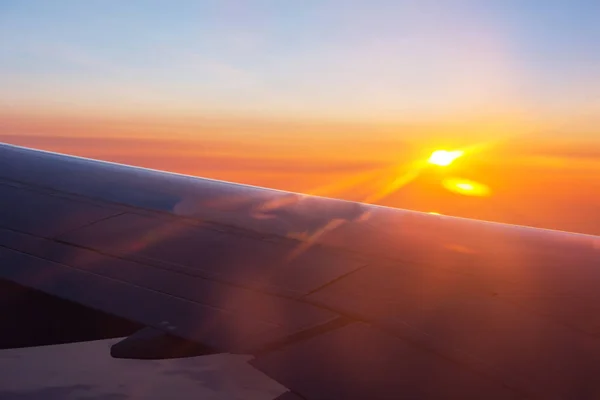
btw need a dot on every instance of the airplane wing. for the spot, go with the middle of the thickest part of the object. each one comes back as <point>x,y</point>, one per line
<point>335,299</point>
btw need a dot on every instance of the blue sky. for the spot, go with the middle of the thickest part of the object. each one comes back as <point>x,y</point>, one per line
<point>397,60</point>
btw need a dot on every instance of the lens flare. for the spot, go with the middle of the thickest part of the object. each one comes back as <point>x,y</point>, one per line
<point>443,158</point>
<point>467,187</point>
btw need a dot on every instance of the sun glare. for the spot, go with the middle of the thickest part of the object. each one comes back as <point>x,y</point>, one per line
<point>443,158</point>
<point>467,187</point>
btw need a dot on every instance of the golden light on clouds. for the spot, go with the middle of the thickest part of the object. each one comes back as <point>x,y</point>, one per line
<point>443,158</point>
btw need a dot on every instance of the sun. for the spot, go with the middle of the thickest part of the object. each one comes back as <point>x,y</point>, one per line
<point>443,158</point>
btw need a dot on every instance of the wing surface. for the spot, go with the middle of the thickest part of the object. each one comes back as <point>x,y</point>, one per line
<point>336,300</point>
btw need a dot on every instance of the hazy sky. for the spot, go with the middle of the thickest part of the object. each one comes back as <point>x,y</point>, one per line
<point>376,60</point>
<point>310,95</point>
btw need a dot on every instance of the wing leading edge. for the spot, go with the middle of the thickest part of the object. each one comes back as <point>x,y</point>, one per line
<point>335,299</point>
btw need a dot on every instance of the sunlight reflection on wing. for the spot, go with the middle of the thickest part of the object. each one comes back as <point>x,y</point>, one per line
<point>397,183</point>
<point>310,240</point>
<point>308,219</point>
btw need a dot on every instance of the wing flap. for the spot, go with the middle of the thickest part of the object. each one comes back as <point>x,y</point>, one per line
<point>359,361</point>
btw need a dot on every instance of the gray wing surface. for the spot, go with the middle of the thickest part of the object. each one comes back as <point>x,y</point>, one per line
<point>336,300</point>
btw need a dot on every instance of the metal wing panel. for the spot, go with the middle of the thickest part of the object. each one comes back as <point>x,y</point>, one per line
<point>148,307</point>
<point>537,334</point>
<point>248,208</point>
<point>44,215</point>
<point>53,267</point>
<point>282,266</point>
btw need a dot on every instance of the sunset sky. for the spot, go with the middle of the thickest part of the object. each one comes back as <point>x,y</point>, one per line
<point>333,97</point>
